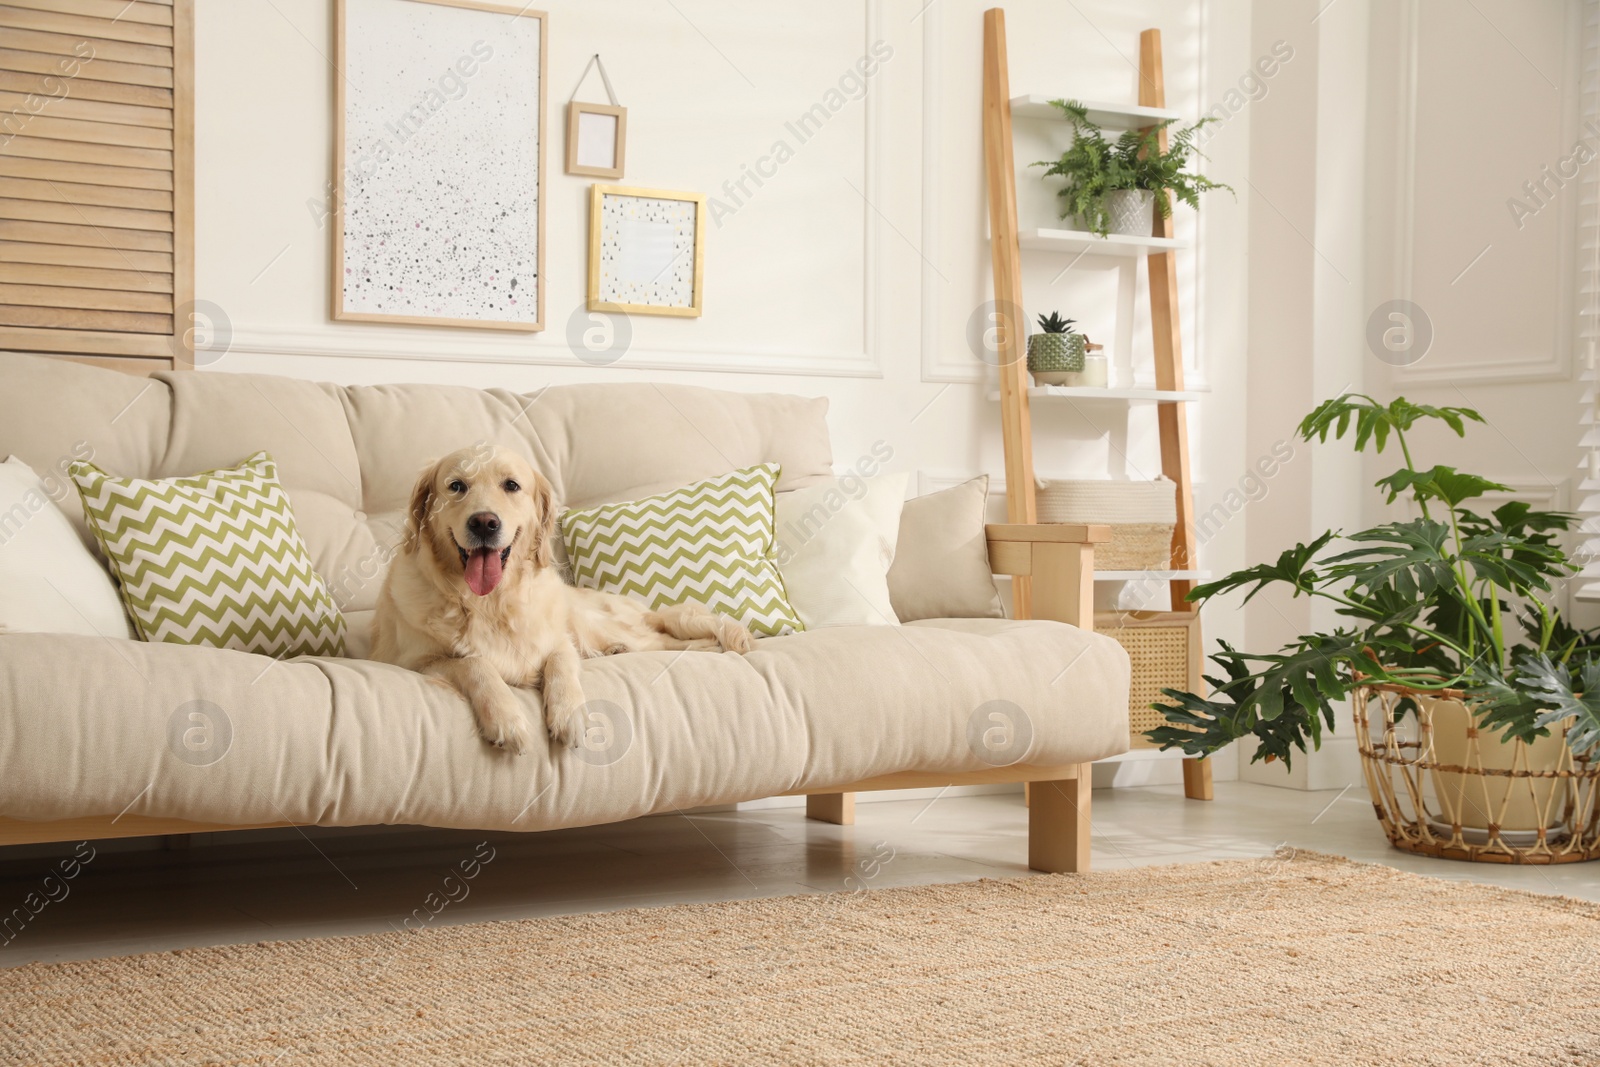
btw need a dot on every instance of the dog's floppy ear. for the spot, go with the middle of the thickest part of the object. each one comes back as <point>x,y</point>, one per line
<point>421,504</point>
<point>544,497</point>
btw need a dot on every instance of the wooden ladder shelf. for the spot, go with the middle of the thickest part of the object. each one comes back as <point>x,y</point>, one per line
<point>1011,329</point>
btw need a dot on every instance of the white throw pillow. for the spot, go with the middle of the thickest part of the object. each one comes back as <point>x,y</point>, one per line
<point>834,547</point>
<point>49,582</point>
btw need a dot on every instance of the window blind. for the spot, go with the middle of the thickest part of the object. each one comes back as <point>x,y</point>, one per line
<point>1587,586</point>
<point>96,177</point>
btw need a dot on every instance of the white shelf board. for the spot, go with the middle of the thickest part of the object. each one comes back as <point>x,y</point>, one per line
<point>1111,116</point>
<point>1113,244</point>
<point>1160,576</point>
<point>1119,395</point>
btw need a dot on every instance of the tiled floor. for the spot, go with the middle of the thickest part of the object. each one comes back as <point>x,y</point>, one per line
<point>244,887</point>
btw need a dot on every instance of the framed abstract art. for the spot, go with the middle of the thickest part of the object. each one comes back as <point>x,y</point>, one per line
<point>439,143</point>
<point>646,251</point>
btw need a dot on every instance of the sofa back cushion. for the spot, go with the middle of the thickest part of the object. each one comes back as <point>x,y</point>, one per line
<point>941,560</point>
<point>54,412</point>
<point>349,456</point>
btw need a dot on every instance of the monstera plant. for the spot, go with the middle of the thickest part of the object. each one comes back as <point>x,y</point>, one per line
<point>1456,600</point>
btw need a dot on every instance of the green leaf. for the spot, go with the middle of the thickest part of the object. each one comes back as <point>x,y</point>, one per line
<point>1513,565</point>
<point>1517,517</point>
<point>1440,483</point>
<point>1294,568</point>
<point>1504,709</point>
<point>1381,434</point>
<point>1268,699</point>
<point>1375,421</point>
<point>1553,684</point>
<point>1411,554</point>
<point>1284,705</point>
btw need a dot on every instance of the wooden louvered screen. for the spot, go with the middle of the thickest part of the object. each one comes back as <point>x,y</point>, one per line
<point>96,178</point>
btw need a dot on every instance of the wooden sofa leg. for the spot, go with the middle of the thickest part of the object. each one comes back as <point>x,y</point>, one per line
<point>837,808</point>
<point>1197,778</point>
<point>1058,824</point>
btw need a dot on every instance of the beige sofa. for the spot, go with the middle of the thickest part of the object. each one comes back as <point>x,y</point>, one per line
<point>85,722</point>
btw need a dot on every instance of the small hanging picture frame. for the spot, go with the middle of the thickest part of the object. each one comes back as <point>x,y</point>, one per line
<point>597,134</point>
<point>647,251</point>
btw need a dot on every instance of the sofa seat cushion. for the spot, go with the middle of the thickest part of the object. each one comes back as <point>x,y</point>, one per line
<point>219,736</point>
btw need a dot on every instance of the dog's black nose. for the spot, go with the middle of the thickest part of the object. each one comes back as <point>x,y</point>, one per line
<point>484,525</point>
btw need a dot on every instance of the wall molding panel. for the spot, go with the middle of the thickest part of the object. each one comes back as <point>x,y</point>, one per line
<point>340,341</point>
<point>258,335</point>
<point>1555,364</point>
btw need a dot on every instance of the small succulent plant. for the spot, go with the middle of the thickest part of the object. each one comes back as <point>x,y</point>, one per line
<point>1054,323</point>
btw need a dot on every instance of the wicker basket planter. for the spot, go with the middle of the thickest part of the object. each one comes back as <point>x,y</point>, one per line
<point>1442,787</point>
<point>1142,516</point>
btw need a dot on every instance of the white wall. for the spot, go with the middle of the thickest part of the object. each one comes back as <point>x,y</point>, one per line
<point>1307,309</point>
<point>1385,171</point>
<point>1499,287</point>
<point>851,274</point>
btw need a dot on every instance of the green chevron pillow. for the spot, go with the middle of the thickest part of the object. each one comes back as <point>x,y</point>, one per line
<point>213,560</point>
<point>709,543</point>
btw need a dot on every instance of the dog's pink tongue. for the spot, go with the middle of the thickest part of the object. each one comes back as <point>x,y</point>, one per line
<point>483,571</point>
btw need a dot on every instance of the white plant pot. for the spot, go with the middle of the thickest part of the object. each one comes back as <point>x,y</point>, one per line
<point>1476,799</point>
<point>1132,212</point>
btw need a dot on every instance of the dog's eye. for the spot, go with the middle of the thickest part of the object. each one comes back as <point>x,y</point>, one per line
<point>511,485</point>
<point>458,486</point>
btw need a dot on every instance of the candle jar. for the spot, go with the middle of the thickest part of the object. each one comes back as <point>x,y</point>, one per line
<point>1096,370</point>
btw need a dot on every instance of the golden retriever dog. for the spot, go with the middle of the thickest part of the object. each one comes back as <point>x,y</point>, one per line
<point>472,598</point>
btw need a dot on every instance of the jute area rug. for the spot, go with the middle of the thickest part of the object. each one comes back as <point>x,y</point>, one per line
<point>1297,959</point>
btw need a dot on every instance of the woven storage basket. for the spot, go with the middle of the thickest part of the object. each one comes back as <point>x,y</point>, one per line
<point>1142,516</point>
<point>1164,648</point>
<point>1442,789</point>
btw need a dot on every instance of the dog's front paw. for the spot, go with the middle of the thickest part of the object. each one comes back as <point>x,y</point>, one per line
<point>505,725</point>
<point>563,721</point>
<point>735,638</point>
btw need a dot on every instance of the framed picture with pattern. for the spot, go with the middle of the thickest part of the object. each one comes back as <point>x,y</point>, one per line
<point>439,163</point>
<point>647,250</point>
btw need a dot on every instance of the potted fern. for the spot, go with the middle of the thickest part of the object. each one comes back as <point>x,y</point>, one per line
<point>1056,351</point>
<point>1114,186</point>
<point>1476,705</point>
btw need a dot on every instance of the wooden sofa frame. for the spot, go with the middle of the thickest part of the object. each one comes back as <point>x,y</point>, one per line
<point>1057,561</point>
